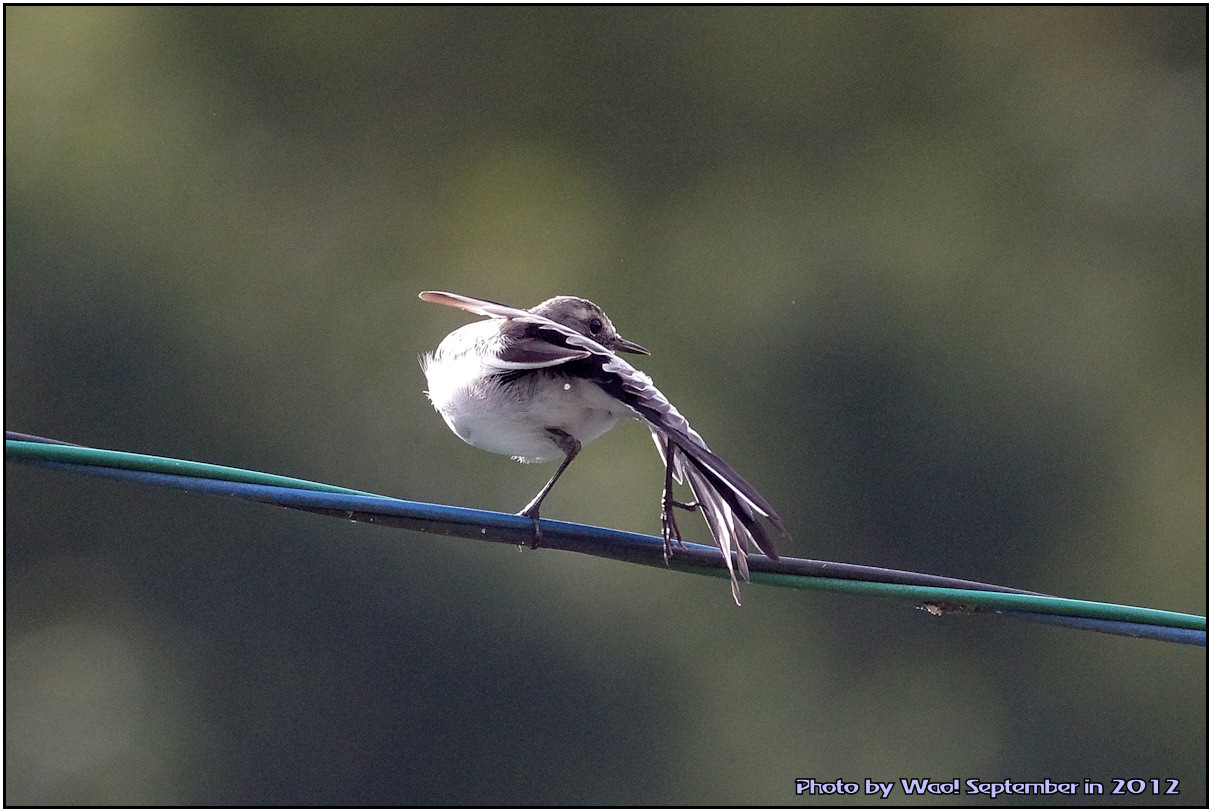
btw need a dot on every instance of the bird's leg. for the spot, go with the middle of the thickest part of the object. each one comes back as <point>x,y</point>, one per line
<point>571,447</point>
<point>669,525</point>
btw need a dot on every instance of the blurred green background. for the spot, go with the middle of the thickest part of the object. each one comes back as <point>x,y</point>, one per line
<point>933,279</point>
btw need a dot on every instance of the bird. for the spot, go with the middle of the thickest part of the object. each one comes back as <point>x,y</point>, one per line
<point>540,384</point>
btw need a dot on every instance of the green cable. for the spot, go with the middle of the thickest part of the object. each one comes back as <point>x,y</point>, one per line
<point>83,455</point>
<point>952,600</point>
<point>1046,604</point>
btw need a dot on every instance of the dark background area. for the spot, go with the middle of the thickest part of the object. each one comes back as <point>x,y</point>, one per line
<point>933,279</point>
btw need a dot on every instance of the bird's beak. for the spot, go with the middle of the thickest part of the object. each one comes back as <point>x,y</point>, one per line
<point>623,345</point>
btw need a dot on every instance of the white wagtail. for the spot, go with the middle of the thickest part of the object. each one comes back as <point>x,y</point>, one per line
<point>539,384</point>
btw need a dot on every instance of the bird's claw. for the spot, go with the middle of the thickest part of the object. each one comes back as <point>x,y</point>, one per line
<point>669,525</point>
<point>537,541</point>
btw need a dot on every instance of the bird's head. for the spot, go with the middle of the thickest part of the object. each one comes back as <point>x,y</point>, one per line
<point>587,319</point>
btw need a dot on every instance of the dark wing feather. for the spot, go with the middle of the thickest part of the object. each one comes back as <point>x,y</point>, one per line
<point>636,389</point>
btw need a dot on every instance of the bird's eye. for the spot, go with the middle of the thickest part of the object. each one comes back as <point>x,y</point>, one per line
<point>595,326</point>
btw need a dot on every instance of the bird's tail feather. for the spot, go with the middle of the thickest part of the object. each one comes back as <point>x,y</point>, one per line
<point>730,514</point>
<point>744,500</point>
<point>721,522</point>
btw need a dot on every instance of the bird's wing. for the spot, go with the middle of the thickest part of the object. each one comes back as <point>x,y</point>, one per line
<point>730,505</point>
<point>716,484</point>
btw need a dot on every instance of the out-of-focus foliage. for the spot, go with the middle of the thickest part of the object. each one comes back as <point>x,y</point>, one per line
<point>933,279</point>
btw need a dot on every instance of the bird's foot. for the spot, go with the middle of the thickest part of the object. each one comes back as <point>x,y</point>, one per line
<point>669,525</point>
<point>533,515</point>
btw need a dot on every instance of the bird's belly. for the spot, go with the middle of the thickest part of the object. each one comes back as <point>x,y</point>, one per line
<point>514,418</point>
